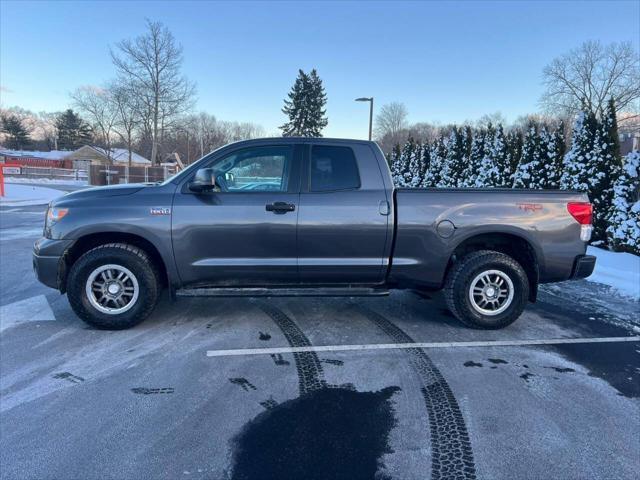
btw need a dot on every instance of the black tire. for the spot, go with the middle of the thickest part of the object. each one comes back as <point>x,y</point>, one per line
<point>132,258</point>
<point>462,274</point>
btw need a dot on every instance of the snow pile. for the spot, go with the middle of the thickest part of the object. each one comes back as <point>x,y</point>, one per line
<point>619,270</point>
<point>23,195</point>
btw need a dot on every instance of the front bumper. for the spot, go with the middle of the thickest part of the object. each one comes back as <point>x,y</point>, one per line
<point>583,266</point>
<point>47,269</point>
<point>48,261</point>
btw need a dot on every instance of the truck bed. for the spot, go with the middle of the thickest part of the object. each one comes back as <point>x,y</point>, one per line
<point>430,224</point>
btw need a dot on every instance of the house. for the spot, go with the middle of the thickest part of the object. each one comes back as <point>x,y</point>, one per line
<point>629,141</point>
<point>628,132</point>
<point>90,155</point>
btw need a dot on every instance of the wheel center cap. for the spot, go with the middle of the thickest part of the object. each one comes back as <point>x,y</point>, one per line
<point>491,292</point>
<point>113,288</point>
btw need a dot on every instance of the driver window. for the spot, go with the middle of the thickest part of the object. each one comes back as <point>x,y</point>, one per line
<point>258,169</point>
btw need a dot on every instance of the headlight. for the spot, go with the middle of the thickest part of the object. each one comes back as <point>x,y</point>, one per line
<point>54,215</point>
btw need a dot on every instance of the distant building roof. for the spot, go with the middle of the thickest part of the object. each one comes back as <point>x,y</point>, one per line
<point>52,155</point>
<point>121,155</point>
<point>118,155</point>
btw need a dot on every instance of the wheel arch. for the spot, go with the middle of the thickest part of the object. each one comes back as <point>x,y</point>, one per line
<point>509,243</point>
<point>92,240</point>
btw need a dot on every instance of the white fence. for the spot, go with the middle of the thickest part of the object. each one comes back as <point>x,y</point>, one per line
<point>114,174</point>
<point>51,173</point>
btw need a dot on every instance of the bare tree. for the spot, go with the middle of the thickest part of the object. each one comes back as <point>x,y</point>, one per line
<point>151,63</point>
<point>391,119</point>
<point>128,113</point>
<point>46,128</point>
<point>487,119</point>
<point>41,126</point>
<point>243,131</point>
<point>97,105</point>
<point>589,76</point>
<point>424,132</point>
<point>206,133</point>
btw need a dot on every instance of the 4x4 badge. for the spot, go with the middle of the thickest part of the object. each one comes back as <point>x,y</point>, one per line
<point>160,211</point>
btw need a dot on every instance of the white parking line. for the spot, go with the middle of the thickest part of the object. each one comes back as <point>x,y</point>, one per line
<point>20,210</point>
<point>391,346</point>
<point>20,233</point>
<point>34,309</point>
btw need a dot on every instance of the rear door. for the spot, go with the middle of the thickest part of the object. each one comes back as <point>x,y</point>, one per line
<point>344,213</point>
<point>243,234</point>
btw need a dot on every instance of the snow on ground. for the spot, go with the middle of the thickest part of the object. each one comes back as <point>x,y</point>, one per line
<point>617,269</point>
<point>45,181</point>
<point>23,195</point>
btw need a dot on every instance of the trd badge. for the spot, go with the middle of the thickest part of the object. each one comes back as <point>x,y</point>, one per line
<point>160,211</point>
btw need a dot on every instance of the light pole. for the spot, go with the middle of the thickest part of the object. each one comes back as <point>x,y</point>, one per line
<point>370,100</point>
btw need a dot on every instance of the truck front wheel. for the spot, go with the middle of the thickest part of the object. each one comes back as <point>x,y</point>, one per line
<point>113,286</point>
<point>487,290</point>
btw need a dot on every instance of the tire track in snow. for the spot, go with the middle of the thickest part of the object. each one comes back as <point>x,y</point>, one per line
<point>451,452</point>
<point>308,366</point>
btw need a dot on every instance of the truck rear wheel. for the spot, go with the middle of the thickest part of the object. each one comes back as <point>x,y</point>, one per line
<point>113,286</point>
<point>487,290</point>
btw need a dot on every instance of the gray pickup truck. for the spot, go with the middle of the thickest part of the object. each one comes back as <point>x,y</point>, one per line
<point>307,216</point>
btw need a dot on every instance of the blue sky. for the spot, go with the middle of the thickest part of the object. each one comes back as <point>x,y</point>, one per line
<point>447,61</point>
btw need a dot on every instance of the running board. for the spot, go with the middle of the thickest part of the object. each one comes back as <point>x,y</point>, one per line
<point>282,292</point>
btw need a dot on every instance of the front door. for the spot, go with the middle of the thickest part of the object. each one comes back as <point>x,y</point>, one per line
<point>244,232</point>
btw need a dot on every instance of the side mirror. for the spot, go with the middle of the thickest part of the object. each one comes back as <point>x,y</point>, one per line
<point>203,181</point>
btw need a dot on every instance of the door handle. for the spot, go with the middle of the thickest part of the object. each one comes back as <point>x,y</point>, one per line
<point>383,208</point>
<point>280,207</point>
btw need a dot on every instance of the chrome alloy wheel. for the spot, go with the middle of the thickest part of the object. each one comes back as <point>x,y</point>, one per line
<point>112,289</point>
<point>491,292</point>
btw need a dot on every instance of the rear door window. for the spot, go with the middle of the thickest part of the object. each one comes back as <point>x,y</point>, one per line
<point>333,169</point>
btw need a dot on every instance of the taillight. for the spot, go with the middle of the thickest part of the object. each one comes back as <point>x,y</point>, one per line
<point>581,211</point>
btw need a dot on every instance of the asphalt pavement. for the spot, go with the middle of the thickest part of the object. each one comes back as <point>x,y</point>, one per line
<point>234,388</point>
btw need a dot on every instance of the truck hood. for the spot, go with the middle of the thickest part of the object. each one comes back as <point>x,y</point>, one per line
<point>109,191</point>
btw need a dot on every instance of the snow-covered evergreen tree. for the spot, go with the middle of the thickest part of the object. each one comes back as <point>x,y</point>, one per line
<point>500,154</point>
<point>591,165</point>
<point>494,168</point>
<point>415,167</point>
<point>438,156</point>
<point>475,159</point>
<point>623,231</point>
<point>553,147</point>
<point>608,170</point>
<point>467,144</point>
<point>402,165</point>
<point>530,171</point>
<point>395,164</point>
<point>424,164</point>
<point>455,164</point>
<point>580,162</point>
<point>514,149</point>
<point>485,163</point>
